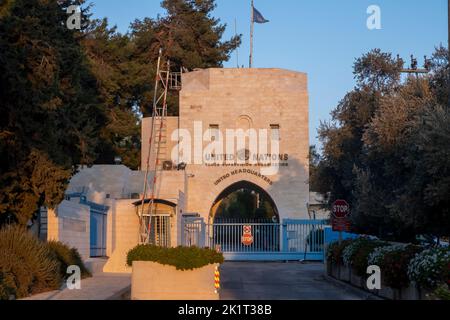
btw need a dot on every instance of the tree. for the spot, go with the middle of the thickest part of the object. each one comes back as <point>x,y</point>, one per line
<point>110,57</point>
<point>189,37</point>
<point>125,67</point>
<point>51,116</point>
<point>432,168</point>
<point>243,204</point>
<point>378,70</point>
<point>314,162</point>
<point>379,150</point>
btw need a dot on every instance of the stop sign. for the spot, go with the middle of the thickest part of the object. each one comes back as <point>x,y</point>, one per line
<point>341,209</point>
<point>247,237</point>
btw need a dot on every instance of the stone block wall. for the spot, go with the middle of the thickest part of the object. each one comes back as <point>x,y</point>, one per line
<point>243,99</point>
<point>70,224</point>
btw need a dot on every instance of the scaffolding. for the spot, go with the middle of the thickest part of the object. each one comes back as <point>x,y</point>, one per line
<point>165,80</point>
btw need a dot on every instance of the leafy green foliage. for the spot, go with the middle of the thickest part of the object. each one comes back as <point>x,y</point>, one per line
<point>394,266</point>
<point>110,57</point>
<point>183,258</point>
<point>442,292</point>
<point>314,162</point>
<point>50,112</point>
<point>67,257</point>
<point>75,97</point>
<point>335,251</point>
<point>378,70</point>
<point>125,67</point>
<point>430,267</point>
<point>386,150</point>
<point>243,204</point>
<point>26,264</point>
<point>356,254</point>
<point>189,37</point>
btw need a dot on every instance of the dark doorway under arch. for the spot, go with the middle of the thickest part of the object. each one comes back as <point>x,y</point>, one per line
<point>244,201</point>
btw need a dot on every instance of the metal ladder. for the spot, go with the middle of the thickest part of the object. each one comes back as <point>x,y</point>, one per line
<point>156,152</point>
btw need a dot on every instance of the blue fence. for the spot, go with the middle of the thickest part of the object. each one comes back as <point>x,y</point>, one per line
<point>332,236</point>
<point>290,240</point>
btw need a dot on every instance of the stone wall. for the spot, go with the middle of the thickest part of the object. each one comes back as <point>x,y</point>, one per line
<point>70,224</point>
<point>122,234</point>
<point>243,99</point>
<point>154,281</point>
<point>171,124</point>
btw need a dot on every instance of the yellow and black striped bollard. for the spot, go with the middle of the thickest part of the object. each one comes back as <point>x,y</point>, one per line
<point>217,280</point>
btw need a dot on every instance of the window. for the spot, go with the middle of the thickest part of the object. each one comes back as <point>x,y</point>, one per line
<point>275,132</point>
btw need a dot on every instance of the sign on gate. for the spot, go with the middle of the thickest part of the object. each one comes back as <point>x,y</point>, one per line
<point>247,236</point>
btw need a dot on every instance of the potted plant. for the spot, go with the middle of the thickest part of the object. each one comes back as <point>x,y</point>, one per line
<point>182,273</point>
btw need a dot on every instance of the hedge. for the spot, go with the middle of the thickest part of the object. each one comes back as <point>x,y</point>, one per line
<point>401,264</point>
<point>356,254</point>
<point>182,258</point>
<point>335,249</point>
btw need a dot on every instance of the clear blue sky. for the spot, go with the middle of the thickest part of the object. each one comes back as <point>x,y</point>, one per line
<point>319,37</point>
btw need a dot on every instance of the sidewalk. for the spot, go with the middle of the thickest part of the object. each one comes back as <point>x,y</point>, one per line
<point>102,286</point>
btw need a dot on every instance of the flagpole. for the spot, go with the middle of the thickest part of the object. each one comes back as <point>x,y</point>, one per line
<point>251,36</point>
<point>237,49</point>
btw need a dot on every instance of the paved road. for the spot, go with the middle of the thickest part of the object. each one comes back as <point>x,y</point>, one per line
<point>280,281</point>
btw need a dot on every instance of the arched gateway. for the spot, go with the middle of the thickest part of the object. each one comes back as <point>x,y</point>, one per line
<point>244,201</point>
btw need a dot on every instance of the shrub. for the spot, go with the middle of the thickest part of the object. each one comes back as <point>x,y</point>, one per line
<point>442,292</point>
<point>429,268</point>
<point>66,257</point>
<point>335,249</point>
<point>357,253</point>
<point>183,258</point>
<point>26,266</point>
<point>376,257</point>
<point>315,239</point>
<point>395,265</point>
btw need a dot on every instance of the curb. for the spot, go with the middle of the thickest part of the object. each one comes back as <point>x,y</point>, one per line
<point>119,294</point>
<point>355,290</point>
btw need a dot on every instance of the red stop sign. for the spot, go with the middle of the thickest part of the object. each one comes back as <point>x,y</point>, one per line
<point>341,209</point>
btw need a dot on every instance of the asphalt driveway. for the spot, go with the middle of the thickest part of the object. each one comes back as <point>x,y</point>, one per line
<point>280,281</point>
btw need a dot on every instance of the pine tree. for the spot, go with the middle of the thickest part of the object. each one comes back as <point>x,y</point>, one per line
<point>51,116</point>
<point>125,67</point>
<point>189,37</point>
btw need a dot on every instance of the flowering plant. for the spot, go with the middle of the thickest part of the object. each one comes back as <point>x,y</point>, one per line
<point>394,265</point>
<point>356,254</point>
<point>430,267</point>
<point>334,252</point>
<point>376,257</point>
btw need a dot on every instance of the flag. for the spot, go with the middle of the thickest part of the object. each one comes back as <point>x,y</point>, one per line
<point>258,17</point>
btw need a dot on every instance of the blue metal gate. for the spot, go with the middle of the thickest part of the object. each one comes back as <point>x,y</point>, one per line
<point>290,240</point>
<point>98,219</point>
